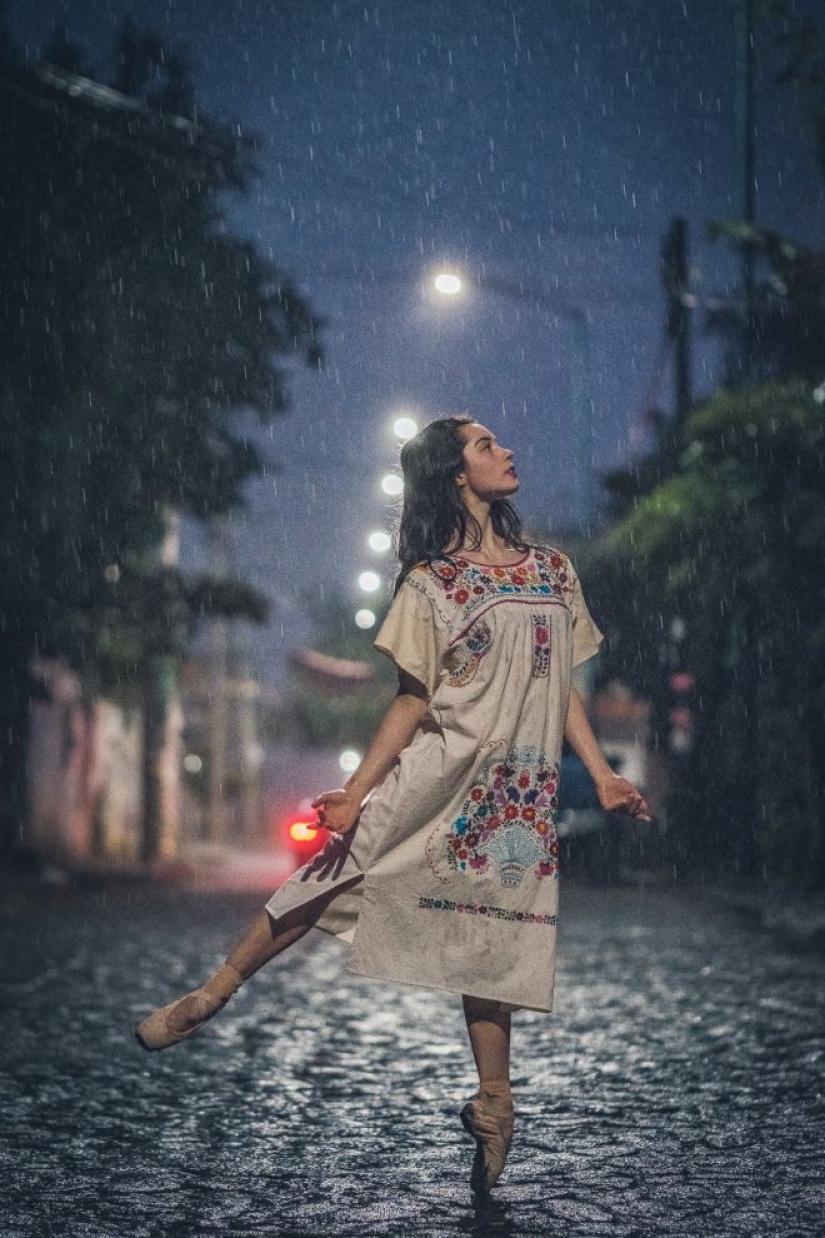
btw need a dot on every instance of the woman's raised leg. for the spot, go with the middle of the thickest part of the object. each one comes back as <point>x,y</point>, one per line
<point>488,1117</point>
<point>262,941</point>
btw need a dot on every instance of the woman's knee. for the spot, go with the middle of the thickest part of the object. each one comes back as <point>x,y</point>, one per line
<point>484,1010</point>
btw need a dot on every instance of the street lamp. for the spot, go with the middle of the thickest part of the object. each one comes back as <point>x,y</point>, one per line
<point>448,283</point>
<point>380,542</point>
<point>405,428</point>
<point>369,582</point>
<point>392,485</point>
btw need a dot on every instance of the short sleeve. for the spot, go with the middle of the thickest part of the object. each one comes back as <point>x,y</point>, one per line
<point>408,635</point>
<point>586,636</point>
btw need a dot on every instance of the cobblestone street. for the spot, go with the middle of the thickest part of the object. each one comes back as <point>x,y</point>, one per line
<point>677,1090</point>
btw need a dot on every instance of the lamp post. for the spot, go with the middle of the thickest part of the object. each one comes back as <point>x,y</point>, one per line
<point>449,284</point>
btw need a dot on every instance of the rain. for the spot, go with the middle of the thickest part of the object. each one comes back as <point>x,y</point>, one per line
<point>250,250</point>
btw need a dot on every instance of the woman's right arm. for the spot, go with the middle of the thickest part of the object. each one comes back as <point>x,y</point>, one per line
<point>338,810</point>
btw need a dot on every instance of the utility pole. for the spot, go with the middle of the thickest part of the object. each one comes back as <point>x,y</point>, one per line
<point>744,36</point>
<point>162,726</point>
<point>674,271</point>
<point>218,704</point>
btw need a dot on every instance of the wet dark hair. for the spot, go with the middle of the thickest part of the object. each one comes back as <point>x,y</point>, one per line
<point>434,519</point>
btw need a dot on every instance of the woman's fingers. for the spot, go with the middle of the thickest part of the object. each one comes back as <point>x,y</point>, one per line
<point>336,811</point>
<point>636,805</point>
<point>622,796</point>
<point>329,797</point>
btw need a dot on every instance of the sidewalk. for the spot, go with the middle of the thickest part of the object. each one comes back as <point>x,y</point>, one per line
<point>215,868</point>
<point>795,920</point>
<point>202,869</point>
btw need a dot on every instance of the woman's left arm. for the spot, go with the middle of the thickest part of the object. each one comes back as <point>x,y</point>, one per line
<point>615,793</point>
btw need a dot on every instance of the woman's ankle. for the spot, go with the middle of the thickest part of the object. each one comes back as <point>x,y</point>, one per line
<point>496,1092</point>
<point>223,983</point>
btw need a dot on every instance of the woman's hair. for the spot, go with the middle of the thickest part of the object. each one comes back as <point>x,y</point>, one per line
<point>434,519</point>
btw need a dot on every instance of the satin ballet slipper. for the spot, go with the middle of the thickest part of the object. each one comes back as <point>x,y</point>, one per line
<point>489,1118</point>
<point>156,1032</point>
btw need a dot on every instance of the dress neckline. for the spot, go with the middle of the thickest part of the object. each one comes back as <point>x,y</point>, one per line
<point>476,563</point>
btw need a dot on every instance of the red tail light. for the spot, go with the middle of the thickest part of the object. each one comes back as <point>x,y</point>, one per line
<point>303,831</point>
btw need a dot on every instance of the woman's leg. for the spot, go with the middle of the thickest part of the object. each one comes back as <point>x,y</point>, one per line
<point>489,1030</point>
<point>489,1115</point>
<point>261,942</point>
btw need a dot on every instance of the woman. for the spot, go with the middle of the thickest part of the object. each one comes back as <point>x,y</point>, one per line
<point>450,878</point>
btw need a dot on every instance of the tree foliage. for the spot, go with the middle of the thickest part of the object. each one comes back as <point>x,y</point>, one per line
<point>731,544</point>
<point>722,528</point>
<point>133,324</point>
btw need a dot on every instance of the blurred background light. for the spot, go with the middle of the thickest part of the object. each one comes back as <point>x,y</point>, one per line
<point>369,582</point>
<point>392,484</point>
<point>447,283</point>
<point>380,542</point>
<point>405,428</point>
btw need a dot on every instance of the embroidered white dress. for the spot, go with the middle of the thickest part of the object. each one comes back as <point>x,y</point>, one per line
<point>450,878</point>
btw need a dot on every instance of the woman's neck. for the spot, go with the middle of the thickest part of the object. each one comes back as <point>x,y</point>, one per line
<point>489,546</point>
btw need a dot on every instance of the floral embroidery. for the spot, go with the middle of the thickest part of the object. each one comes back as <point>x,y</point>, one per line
<point>460,592</point>
<point>497,913</point>
<point>507,822</point>
<point>542,574</point>
<point>472,649</point>
<point>541,646</point>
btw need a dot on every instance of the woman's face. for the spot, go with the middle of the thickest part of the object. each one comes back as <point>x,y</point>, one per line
<point>488,471</point>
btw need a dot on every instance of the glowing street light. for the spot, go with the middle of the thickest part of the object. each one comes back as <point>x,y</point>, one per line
<point>349,760</point>
<point>392,484</point>
<point>405,428</point>
<point>370,582</point>
<point>380,542</point>
<point>365,619</point>
<point>447,283</point>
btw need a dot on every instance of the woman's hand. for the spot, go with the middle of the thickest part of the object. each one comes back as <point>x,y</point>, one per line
<point>616,794</point>
<point>338,810</point>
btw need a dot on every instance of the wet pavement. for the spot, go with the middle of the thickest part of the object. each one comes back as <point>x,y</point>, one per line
<point>678,1090</point>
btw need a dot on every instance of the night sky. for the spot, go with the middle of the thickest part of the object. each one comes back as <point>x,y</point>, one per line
<point>544,143</point>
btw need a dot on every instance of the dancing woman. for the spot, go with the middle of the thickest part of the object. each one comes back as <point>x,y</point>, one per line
<point>443,866</point>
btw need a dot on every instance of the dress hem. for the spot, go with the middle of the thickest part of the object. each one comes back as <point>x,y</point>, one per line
<point>443,988</point>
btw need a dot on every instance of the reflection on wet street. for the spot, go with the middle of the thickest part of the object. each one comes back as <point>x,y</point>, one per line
<point>677,1090</point>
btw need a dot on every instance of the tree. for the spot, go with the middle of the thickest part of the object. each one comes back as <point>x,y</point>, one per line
<point>717,534</point>
<point>134,325</point>
<point>731,544</point>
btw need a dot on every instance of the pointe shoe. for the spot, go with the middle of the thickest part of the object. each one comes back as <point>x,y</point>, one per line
<point>489,1120</point>
<point>155,1031</point>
